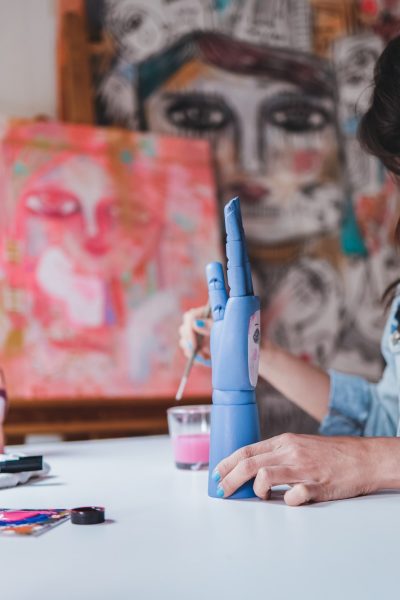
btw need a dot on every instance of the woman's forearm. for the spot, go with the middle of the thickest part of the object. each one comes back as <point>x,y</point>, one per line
<point>304,384</point>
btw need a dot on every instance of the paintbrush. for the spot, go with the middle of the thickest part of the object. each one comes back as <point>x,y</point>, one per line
<point>190,361</point>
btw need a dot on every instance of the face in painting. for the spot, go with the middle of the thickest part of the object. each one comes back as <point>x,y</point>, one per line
<point>307,310</point>
<point>137,28</point>
<point>67,218</point>
<point>275,145</point>
<point>354,60</point>
<point>74,198</point>
<point>365,283</point>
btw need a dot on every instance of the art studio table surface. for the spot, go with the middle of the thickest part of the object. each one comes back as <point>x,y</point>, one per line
<point>165,538</point>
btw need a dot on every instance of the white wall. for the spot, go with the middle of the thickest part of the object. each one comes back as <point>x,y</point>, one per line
<point>27,57</point>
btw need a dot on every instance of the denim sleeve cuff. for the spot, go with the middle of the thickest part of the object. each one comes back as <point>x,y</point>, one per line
<point>350,401</point>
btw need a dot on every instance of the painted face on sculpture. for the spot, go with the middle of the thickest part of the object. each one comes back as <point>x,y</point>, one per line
<point>274,145</point>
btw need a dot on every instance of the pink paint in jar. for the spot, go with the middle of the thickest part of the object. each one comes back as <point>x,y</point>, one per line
<point>189,428</point>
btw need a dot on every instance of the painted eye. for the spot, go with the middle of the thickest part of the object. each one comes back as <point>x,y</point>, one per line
<point>134,22</point>
<point>355,79</point>
<point>69,207</point>
<point>198,113</point>
<point>256,336</point>
<point>359,66</point>
<point>52,204</point>
<point>34,203</point>
<point>131,23</point>
<point>296,115</point>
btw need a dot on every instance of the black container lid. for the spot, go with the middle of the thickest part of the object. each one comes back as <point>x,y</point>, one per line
<point>88,515</point>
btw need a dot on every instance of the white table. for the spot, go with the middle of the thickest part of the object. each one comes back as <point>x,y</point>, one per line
<point>167,539</point>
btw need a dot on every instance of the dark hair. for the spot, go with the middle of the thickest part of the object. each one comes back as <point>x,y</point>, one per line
<point>379,128</point>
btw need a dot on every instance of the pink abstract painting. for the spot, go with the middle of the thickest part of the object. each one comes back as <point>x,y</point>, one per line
<point>104,236</point>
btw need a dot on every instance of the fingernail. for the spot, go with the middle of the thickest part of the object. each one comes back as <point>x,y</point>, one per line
<point>203,361</point>
<point>220,492</point>
<point>216,476</point>
<point>200,323</point>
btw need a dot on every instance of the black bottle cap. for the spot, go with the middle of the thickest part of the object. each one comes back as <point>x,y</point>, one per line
<point>87,515</point>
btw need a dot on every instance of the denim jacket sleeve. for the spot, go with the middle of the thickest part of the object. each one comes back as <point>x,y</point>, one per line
<point>358,407</point>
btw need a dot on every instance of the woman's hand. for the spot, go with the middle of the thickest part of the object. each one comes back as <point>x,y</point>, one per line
<point>317,468</point>
<point>195,323</point>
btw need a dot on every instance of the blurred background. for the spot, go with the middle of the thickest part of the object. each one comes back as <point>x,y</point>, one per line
<point>125,127</point>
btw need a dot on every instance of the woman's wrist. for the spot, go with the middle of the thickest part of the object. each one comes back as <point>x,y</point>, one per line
<point>383,457</point>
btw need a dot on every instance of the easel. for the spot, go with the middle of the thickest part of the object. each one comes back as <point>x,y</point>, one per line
<point>76,53</point>
<point>78,419</point>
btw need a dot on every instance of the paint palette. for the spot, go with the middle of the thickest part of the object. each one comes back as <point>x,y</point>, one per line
<point>32,522</point>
